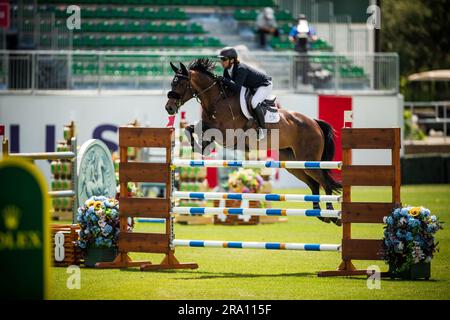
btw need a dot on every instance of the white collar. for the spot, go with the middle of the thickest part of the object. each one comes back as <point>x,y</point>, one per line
<point>230,71</point>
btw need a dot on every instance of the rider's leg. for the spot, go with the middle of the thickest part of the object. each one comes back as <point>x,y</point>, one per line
<point>261,94</point>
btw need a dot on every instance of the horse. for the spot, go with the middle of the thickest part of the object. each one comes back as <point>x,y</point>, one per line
<point>300,138</point>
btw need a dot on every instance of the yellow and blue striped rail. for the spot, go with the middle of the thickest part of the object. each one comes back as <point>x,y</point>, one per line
<point>258,212</point>
<point>258,164</point>
<point>256,245</point>
<point>255,196</point>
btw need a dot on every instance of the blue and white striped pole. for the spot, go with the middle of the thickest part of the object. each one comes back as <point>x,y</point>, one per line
<point>258,212</point>
<point>256,245</point>
<point>255,196</point>
<point>258,164</point>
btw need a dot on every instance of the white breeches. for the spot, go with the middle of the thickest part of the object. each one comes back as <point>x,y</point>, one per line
<point>261,94</point>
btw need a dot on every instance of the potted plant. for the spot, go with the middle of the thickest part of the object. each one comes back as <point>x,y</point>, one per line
<point>409,243</point>
<point>99,229</point>
<point>241,181</point>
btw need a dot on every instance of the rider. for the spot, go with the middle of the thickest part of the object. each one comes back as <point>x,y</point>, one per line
<point>237,74</point>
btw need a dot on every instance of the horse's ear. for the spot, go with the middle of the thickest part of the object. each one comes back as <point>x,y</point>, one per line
<point>184,70</point>
<point>175,69</point>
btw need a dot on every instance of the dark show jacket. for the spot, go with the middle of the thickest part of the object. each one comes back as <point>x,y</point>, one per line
<point>244,75</point>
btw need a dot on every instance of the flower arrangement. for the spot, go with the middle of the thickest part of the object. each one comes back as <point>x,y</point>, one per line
<point>99,223</point>
<point>245,181</point>
<point>409,237</point>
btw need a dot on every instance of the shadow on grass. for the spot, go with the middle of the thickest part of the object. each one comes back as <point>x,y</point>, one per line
<point>204,275</point>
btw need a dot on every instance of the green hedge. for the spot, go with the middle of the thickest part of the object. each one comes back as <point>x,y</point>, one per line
<point>425,169</point>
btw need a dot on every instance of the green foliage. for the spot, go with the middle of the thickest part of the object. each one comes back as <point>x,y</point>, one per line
<point>418,31</point>
<point>412,131</point>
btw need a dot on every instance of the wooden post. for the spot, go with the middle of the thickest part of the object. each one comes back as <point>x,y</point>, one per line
<point>130,207</point>
<point>366,212</point>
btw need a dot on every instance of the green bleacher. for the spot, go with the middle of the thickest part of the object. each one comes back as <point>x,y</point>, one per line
<point>222,3</point>
<point>283,43</point>
<point>250,15</point>
<point>128,65</point>
<point>156,24</point>
<point>101,24</point>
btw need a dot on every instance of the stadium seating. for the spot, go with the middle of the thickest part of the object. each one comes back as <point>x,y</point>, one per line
<point>155,24</point>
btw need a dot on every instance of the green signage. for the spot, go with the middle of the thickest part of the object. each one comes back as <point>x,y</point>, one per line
<point>24,231</point>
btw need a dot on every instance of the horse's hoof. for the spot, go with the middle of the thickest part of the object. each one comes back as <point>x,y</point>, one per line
<point>326,220</point>
<point>337,221</point>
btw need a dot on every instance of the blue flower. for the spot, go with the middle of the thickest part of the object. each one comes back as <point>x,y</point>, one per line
<point>425,212</point>
<point>396,213</point>
<point>405,211</point>
<point>413,223</point>
<point>408,236</point>
<point>389,221</point>
<point>107,229</point>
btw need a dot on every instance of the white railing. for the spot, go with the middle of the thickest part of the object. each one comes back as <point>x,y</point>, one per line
<point>431,113</point>
<point>30,71</point>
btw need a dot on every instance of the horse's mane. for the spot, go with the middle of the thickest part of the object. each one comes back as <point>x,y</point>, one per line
<point>203,65</point>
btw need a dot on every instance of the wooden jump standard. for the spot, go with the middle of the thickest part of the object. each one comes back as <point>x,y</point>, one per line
<point>352,212</point>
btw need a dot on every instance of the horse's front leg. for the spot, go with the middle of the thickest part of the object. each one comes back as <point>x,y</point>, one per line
<point>199,129</point>
<point>189,131</point>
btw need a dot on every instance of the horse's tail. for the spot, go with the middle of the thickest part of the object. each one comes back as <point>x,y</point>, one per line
<point>328,154</point>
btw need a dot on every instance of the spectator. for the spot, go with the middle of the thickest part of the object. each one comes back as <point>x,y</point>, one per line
<point>266,24</point>
<point>302,34</point>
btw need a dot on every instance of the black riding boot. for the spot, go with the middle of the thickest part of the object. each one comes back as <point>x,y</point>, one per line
<point>259,114</point>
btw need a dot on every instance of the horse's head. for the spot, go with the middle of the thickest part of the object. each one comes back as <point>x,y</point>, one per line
<point>181,89</point>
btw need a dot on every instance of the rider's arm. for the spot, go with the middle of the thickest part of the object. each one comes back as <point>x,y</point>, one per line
<point>238,82</point>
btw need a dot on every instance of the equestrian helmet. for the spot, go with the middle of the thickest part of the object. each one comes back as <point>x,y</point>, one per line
<point>228,52</point>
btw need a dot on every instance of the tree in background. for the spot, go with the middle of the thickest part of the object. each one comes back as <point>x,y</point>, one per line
<point>418,31</point>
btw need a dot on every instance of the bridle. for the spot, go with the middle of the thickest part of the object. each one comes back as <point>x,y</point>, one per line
<point>178,97</point>
<point>174,95</point>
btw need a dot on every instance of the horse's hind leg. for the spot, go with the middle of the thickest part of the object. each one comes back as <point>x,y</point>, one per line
<point>319,176</point>
<point>314,186</point>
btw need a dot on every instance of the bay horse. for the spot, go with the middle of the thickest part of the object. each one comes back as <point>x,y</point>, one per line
<point>300,137</point>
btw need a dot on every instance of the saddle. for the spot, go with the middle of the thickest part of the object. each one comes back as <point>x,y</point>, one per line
<point>267,104</point>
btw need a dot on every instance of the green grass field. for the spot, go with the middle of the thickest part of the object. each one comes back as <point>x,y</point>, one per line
<point>265,274</point>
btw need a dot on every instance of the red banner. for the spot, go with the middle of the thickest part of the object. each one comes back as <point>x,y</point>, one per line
<point>331,110</point>
<point>4,15</point>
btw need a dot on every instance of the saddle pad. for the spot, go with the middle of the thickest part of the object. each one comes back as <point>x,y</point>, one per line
<point>270,117</point>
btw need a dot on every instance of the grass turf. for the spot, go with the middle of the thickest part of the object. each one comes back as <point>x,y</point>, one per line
<point>266,274</point>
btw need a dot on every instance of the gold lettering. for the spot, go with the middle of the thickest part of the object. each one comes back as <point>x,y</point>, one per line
<point>35,240</point>
<point>21,240</point>
<point>6,240</point>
